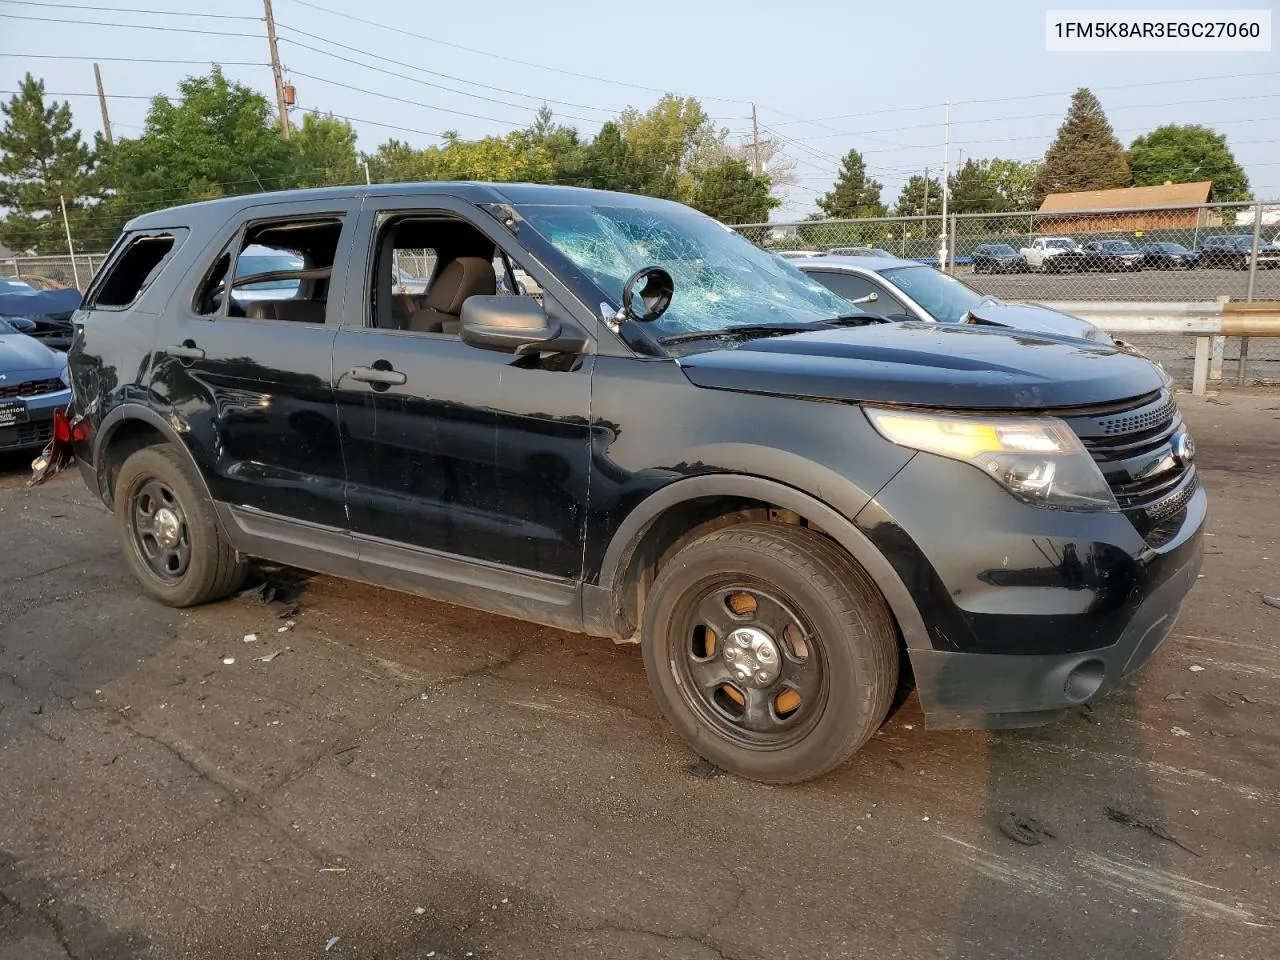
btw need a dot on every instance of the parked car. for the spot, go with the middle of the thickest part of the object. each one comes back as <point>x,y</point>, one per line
<point>906,290</point>
<point>1053,255</point>
<point>33,384</point>
<point>858,252</point>
<point>688,443</point>
<point>1111,256</point>
<point>796,254</point>
<point>47,311</point>
<point>1236,252</point>
<point>997,258</point>
<point>1168,256</point>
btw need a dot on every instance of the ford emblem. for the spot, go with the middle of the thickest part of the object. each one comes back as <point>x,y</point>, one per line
<point>1184,449</point>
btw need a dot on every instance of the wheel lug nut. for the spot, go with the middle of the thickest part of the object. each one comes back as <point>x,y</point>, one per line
<point>762,677</point>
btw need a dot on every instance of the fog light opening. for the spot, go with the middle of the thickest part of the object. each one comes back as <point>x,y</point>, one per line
<point>1083,682</point>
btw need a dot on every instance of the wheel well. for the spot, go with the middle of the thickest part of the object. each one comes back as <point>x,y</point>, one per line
<point>679,525</point>
<point>128,438</point>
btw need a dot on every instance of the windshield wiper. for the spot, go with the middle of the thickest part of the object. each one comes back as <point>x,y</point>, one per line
<point>854,320</point>
<point>746,330</point>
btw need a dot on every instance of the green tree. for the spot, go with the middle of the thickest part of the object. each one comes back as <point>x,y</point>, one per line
<point>671,142</point>
<point>1085,155</point>
<point>1185,153</point>
<point>42,159</point>
<point>610,162</point>
<point>854,193</point>
<point>911,199</point>
<point>732,194</point>
<point>993,186</point>
<point>219,138</point>
<point>563,148</point>
<point>326,152</point>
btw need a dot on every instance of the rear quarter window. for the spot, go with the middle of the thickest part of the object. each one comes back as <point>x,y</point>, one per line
<point>140,261</point>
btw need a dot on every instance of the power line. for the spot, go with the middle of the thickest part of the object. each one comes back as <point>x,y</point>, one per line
<point>498,56</point>
<point>434,73</point>
<point>130,26</point>
<point>414,103</point>
<point>158,13</point>
<point>1028,96</point>
<point>72,56</point>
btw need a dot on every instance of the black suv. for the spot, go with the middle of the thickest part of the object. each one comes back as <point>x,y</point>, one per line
<point>679,440</point>
<point>1236,252</point>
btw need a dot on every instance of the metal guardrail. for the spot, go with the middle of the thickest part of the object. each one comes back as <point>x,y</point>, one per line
<point>1209,322</point>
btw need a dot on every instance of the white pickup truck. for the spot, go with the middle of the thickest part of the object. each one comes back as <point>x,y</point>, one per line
<point>1053,254</point>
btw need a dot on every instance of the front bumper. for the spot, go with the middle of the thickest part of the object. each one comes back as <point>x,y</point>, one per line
<point>34,428</point>
<point>1029,612</point>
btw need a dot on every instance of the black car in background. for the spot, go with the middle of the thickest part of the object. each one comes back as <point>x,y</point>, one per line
<point>1112,256</point>
<point>1168,256</point>
<point>998,258</point>
<point>1235,252</point>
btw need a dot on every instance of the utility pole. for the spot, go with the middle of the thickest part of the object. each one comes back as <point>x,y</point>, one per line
<point>275,69</point>
<point>946,170</point>
<point>102,102</point>
<point>71,249</point>
<point>755,140</point>
<point>926,196</point>
<point>960,162</point>
<point>367,179</point>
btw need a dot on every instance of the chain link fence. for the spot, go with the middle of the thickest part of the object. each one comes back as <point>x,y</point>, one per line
<point>1221,251</point>
<point>53,273</point>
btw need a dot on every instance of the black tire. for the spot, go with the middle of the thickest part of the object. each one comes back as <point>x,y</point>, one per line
<point>209,569</point>
<point>846,633</point>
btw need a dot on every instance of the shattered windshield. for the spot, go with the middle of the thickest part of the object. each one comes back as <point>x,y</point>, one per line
<point>721,280</point>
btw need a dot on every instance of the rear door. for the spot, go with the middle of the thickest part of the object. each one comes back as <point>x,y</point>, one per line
<point>459,456</point>
<point>247,376</point>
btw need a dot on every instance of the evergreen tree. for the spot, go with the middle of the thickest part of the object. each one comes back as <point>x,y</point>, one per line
<point>42,159</point>
<point>732,194</point>
<point>854,193</point>
<point>911,201</point>
<point>1086,154</point>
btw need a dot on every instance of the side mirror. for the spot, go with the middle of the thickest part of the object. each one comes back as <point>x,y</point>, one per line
<point>654,287</point>
<point>871,297</point>
<point>516,325</point>
<point>21,324</point>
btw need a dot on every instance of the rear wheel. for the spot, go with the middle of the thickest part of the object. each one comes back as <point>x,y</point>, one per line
<point>170,537</point>
<point>770,650</point>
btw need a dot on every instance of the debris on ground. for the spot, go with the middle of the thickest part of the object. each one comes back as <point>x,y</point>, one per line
<point>288,625</point>
<point>1272,601</point>
<point>1176,696</point>
<point>1244,696</point>
<point>228,660</point>
<point>1221,698</point>
<point>703,768</point>
<point>250,638</point>
<point>277,593</point>
<point>1179,732</point>
<point>1145,823</point>
<point>1025,830</point>
<point>268,657</point>
<point>333,942</point>
<point>1195,668</point>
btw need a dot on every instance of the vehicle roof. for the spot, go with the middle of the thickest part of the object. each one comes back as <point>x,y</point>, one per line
<point>470,191</point>
<point>839,262</point>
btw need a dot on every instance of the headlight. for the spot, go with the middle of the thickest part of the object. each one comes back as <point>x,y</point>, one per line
<point>65,375</point>
<point>1037,459</point>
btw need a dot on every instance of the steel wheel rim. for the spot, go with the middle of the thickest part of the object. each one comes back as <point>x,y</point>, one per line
<point>160,535</point>
<point>706,678</point>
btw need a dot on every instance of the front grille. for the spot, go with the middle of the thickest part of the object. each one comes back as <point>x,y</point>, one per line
<point>31,388</point>
<point>1133,443</point>
<point>26,435</point>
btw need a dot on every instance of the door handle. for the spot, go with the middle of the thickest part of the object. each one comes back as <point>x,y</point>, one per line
<point>185,351</point>
<point>385,378</point>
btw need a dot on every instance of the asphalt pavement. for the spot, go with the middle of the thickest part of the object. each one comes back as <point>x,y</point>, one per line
<point>406,779</point>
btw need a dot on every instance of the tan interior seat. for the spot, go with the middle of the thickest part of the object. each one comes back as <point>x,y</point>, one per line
<point>461,278</point>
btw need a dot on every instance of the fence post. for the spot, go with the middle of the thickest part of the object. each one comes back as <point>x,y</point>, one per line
<point>1200,372</point>
<point>951,262</point>
<point>1242,369</point>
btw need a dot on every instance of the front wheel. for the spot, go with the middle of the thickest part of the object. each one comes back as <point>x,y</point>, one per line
<point>170,537</point>
<point>770,650</point>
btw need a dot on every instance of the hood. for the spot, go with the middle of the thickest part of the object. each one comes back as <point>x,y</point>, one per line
<point>928,364</point>
<point>29,358</point>
<point>1036,319</point>
<point>41,303</point>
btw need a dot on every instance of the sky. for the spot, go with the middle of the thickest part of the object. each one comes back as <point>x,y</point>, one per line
<point>825,76</point>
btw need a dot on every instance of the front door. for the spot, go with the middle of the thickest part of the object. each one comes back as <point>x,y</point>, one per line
<point>454,452</point>
<point>244,368</point>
